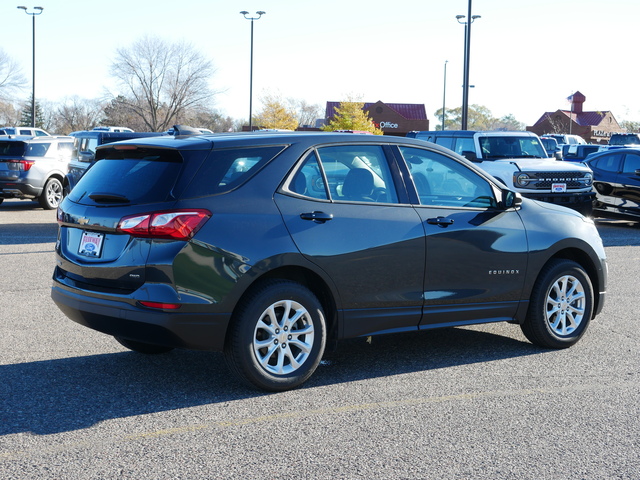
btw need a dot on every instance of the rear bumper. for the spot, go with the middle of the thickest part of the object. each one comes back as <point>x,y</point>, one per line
<point>19,190</point>
<point>198,331</point>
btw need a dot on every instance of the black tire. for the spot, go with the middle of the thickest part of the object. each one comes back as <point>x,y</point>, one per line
<point>141,347</point>
<point>554,319</point>
<point>52,194</point>
<point>277,336</point>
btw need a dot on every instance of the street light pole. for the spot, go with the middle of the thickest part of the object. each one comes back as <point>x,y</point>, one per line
<point>33,81</point>
<point>467,48</point>
<point>444,92</point>
<point>245,13</point>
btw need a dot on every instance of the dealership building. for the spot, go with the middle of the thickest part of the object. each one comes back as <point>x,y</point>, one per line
<point>392,118</point>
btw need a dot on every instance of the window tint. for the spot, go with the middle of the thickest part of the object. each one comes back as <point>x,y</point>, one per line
<point>227,169</point>
<point>446,142</point>
<point>37,149</point>
<point>631,163</point>
<point>12,148</point>
<point>609,163</point>
<point>358,173</point>
<point>440,180</point>
<point>464,144</point>
<point>144,175</point>
<point>308,180</point>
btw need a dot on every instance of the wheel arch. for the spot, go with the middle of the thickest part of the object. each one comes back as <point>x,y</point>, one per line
<point>583,259</point>
<point>307,278</point>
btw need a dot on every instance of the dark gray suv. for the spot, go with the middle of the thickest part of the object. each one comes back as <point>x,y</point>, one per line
<point>34,167</point>
<point>271,246</point>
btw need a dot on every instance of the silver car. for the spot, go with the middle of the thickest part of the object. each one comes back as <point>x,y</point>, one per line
<point>33,167</point>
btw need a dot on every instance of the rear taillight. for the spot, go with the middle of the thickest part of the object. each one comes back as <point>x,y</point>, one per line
<point>20,165</point>
<point>171,224</point>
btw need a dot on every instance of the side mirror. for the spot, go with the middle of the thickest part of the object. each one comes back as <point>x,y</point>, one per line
<point>470,155</point>
<point>86,157</point>
<point>510,199</point>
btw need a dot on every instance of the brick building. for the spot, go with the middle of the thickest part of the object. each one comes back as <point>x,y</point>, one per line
<point>392,118</point>
<point>594,127</point>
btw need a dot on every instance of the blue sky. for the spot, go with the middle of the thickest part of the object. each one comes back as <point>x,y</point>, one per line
<point>527,57</point>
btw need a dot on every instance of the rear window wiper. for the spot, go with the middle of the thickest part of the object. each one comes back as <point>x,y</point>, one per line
<point>109,198</point>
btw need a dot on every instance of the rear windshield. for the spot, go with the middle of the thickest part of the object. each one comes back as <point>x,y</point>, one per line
<point>227,169</point>
<point>12,149</point>
<point>143,175</point>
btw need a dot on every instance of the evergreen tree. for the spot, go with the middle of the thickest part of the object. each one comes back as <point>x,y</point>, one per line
<point>25,117</point>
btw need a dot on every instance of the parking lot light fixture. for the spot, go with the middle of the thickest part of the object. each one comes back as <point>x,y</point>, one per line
<point>36,11</point>
<point>467,47</point>
<point>245,14</point>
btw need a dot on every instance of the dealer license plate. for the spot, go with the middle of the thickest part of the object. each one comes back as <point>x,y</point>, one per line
<point>559,187</point>
<point>91,244</point>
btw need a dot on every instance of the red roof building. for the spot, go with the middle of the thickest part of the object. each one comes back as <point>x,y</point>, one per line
<point>392,118</point>
<point>594,127</point>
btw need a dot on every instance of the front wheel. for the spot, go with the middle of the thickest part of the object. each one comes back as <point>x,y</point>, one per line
<point>277,337</point>
<point>561,305</point>
<point>51,194</point>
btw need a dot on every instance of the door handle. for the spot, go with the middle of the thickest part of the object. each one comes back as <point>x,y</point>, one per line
<point>318,217</point>
<point>440,221</point>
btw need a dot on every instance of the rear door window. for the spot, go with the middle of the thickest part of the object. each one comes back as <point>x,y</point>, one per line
<point>358,173</point>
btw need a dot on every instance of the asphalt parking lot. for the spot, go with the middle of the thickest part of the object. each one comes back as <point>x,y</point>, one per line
<point>464,403</point>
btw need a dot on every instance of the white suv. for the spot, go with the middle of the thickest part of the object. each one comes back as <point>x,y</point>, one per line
<point>27,131</point>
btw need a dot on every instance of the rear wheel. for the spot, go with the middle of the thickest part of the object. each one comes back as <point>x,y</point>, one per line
<point>277,336</point>
<point>141,347</point>
<point>51,194</point>
<point>561,305</point>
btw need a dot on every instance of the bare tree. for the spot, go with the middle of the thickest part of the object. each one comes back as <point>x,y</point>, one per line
<point>76,113</point>
<point>8,114</point>
<point>160,81</point>
<point>307,113</point>
<point>11,77</point>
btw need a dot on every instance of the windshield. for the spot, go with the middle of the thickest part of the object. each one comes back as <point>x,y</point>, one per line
<point>511,147</point>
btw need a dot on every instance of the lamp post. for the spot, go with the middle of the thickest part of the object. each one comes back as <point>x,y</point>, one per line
<point>36,11</point>
<point>444,92</point>
<point>467,47</point>
<point>259,14</point>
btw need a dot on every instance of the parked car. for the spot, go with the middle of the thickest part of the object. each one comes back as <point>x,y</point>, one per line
<point>105,128</point>
<point>25,131</point>
<point>269,247</point>
<point>617,183</point>
<point>566,139</point>
<point>33,168</point>
<point>624,139</point>
<point>520,162</point>
<point>578,153</point>
<point>87,142</point>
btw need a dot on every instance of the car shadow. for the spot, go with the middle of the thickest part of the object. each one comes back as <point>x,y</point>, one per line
<point>38,233</point>
<point>19,205</point>
<point>69,394</point>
